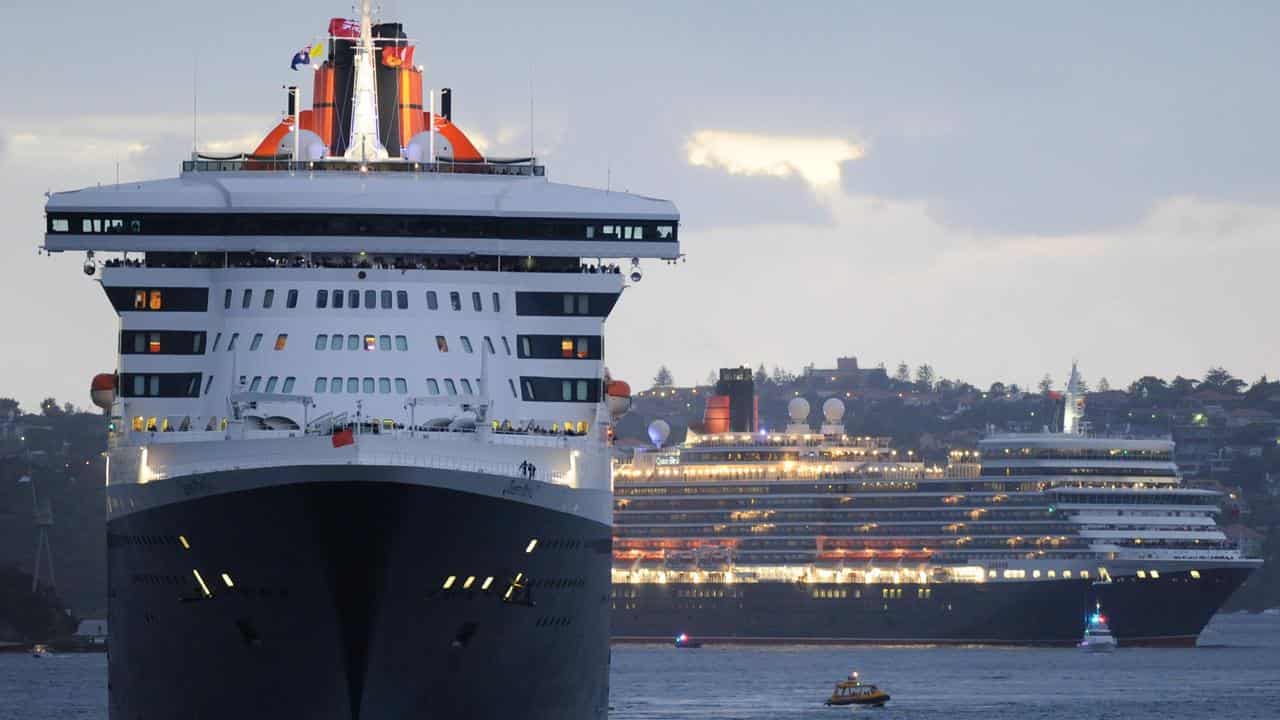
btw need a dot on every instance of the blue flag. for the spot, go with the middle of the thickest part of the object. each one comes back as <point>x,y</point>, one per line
<point>300,58</point>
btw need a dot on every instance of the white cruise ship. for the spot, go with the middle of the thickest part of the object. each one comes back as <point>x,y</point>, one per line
<point>359,465</point>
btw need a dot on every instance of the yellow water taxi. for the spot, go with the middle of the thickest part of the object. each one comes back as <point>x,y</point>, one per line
<point>855,692</point>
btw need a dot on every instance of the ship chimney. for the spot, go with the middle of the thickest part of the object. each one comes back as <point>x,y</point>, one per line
<point>446,104</point>
<point>734,407</point>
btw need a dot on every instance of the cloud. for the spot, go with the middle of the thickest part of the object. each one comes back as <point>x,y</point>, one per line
<point>816,161</point>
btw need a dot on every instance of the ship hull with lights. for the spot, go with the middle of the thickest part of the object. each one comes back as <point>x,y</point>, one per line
<point>321,593</point>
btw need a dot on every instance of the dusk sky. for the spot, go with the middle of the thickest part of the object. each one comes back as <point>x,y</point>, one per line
<point>993,188</point>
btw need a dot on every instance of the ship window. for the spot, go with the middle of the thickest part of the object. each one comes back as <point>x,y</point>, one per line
<point>246,299</point>
<point>1195,574</point>
<point>257,340</point>
<point>253,385</point>
<point>321,385</point>
<point>353,385</point>
<point>226,298</point>
<point>268,297</point>
<point>432,304</point>
<point>384,385</point>
<point>322,298</point>
<point>288,385</point>
<point>353,299</point>
<point>582,388</point>
<point>583,348</point>
<point>526,350</point>
<point>217,339</point>
<point>466,343</point>
<point>370,342</point>
<point>353,342</point>
<point>665,231</point>
<point>271,384</point>
<point>475,302</point>
<point>368,386</point>
<point>455,301</point>
<point>568,304</point>
<point>337,299</point>
<point>291,300</point>
<point>322,341</point>
<point>402,343</point>
<point>566,347</point>
<point>1066,573</point>
<point>371,299</point>
<point>488,345</point>
<point>497,302</point>
<point>506,346</point>
<point>335,342</point>
<point>450,387</point>
<point>528,391</point>
<point>281,339</point>
<point>402,386</point>
<point>433,387</point>
<point>335,385</point>
<point>512,384</point>
<point>156,300</point>
<point>60,225</point>
<point>442,344</point>
<point>566,390</point>
<point>402,299</point>
<point>208,384</point>
<point>466,386</point>
<point>384,342</point>
<point>231,344</point>
<point>386,299</point>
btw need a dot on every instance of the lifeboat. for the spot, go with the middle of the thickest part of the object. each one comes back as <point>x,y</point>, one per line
<point>855,692</point>
<point>617,397</point>
<point>102,390</point>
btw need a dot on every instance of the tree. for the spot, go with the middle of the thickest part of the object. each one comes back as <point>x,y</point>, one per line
<point>997,389</point>
<point>925,376</point>
<point>946,386</point>
<point>9,406</point>
<point>1045,384</point>
<point>70,409</point>
<point>1082,385</point>
<point>1219,379</point>
<point>663,378</point>
<point>1014,390</point>
<point>903,373</point>
<point>1103,385</point>
<point>49,407</point>
<point>1149,387</point>
<point>1183,386</point>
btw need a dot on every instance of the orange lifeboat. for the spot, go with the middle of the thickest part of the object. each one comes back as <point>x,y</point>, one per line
<point>103,390</point>
<point>618,396</point>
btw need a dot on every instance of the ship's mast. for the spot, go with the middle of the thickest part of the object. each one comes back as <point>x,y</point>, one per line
<point>365,143</point>
<point>1073,407</point>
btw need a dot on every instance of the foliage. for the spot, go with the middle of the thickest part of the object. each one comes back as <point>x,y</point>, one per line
<point>663,378</point>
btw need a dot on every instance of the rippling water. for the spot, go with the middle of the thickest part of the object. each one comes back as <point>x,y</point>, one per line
<point>1235,675</point>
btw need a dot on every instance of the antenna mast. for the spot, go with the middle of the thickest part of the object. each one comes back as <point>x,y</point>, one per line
<point>365,143</point>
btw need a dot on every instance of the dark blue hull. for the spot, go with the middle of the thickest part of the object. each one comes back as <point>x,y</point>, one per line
<point>1169,611</point>
<point>337,609</point>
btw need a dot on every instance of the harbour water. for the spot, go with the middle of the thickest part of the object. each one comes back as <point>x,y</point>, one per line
<point>1235,673</point>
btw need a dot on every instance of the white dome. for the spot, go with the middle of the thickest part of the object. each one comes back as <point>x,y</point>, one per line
<point>798,410</point>
<point>833,410</point>
<point>658,432</point>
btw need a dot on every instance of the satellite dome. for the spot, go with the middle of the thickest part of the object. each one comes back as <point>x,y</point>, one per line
<point>658,432</point>
<point>798,410</point>
<point>833,410</point>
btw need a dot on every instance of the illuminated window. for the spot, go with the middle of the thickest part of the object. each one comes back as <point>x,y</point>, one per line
<point>281,339</point>
<point>449,581</point>
<point>566,347</point>
<point>368,386</point>
<point>455,301</point>
<point>1142,574</point>
<point>203,588</point>
<point>256,342</point>
<point>475,302</point>
<point>153,342</point>
<point>582,349</point>
<point>1066,573</point>
<point>433,387</point>
<point>1084,574</point>
<point>466,584</point>
<point>432,303</point>
<point>466,343</point>
<point>1053,574</point>
<point>1035,573</point>
<point>370,342</point>
<point>384,342</point>
<point>442,344</point>
<point>155,300</point>
<point>139,299</point>
<point>246,299</point>
<point>268,297</point>
<point>450,387</point>
<point>227,580</point>
<point>530,547</point>
<point>487,582</point>
<point>1155,574</point>
<point>582,427</point>
<point>384,386</point>
<point>183,539</point>
<point>402,343</point>
<point>138,423</point>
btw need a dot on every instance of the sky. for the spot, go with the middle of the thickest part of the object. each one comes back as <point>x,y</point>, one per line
<point>992,188</point>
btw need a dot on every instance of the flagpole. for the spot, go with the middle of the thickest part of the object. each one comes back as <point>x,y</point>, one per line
<point>431,118</point>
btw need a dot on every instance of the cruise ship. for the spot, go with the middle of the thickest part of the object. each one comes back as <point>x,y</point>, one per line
<point>811,535</point>
<point>359,460</point>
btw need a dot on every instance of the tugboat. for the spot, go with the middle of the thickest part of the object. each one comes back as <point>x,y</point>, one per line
<point>684,641</point>
<point>1097,635</point>
<point>855,692</point>
<point>39,651</point>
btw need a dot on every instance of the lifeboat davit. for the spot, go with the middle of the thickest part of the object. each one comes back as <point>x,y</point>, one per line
<point>618,396</point>
<point>103,390</point>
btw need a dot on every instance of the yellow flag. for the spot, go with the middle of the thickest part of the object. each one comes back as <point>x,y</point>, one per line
<point>317,51</point>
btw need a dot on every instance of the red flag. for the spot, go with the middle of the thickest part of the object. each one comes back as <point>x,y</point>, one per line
<point>344,437</point>
<point>344,28</point>
<point>396,56</point>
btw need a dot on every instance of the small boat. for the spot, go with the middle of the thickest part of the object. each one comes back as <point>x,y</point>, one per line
<point>1097,635</point>
<point>855,692</point>
<point>684,641</point>
<point>39,651</point>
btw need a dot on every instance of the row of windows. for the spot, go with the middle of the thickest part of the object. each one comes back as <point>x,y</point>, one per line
<point>256,384</point>
<point>268,298</point>
<point>442,344</point>
<point>351,299</point>
<point>169,385</point>
<point>545,389</point>
<point>361,342</point>
<point>161,342</point>
<point>583,347</point>
<point>367,386</point>
<point>165,299</point>
<point>455,301</point>
<point>345,224</point>
<point>561,304</point>
<point>282,340</point>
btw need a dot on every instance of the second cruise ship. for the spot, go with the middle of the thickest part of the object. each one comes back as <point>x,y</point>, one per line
<point>810,535</point>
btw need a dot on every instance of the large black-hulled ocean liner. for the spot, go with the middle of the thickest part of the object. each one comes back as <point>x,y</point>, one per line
<point>741,535</point>
<point>359,463</point>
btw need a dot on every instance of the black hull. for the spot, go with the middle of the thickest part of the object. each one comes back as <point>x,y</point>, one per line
<point>1169,611</point>
<point>338,609</point>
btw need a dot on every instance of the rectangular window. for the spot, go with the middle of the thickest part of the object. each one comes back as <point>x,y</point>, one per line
<point>271,384</point>
<point>268,297</point>
<point>60,225</point>
<point>322,341</point>
<point>321,384</point>
<point>402,386</point>
<point>288,385</point>
<point>466,343</point>
<point>433,387</point>
<point>371,299</point>
<point>322,298</point>
<point>386,299</point>
<point>162,342</point>
<point>353,342</point>
<point>543,389</point>
<point>226,299</point>
<point>466,386</point>
<point>455,301</point>
<point>562,304</point>
<point>370,342</point>
<point>384,386</point>
<point>257,381</point>
<point>368,386</point>
<point>231,344</point>
<point>442,344</point>
<point>246,299</point>
<point>566,347</point>
<point>353,299</point>
<point>581,347</point>
<point>172,385</point>
<point>170,299</point>
<point>281,339</point>
<point>335,342</point>
<point>402,343</point>
<point>257,341</point>
<point>384,342</point>
<point>337,299</point>
<point>335,385</point>
<point>402,299</point>
<point>488,345</point>
<point>291,300</point>
<point>432,304</point>
<point>497,302</point>
<point>450,387</point>
<point>475,302</point>
<point>353,385</point>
